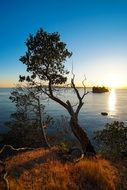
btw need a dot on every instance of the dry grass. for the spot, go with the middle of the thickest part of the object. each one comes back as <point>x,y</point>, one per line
<point>95,174</point>
<point>42,170</point>
<point>121,166</point>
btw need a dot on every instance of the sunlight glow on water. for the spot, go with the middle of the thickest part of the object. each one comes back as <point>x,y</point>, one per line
<point>112,102</point>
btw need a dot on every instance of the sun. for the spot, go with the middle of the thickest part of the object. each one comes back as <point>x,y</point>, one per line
<point>114,81</point>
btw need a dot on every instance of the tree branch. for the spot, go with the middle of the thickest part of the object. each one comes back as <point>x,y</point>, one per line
<point>80,98</point>
<point>51,95</point>
<point>84,87</point>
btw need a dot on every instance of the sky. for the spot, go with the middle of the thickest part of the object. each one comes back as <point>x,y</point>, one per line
<point>94,30</point>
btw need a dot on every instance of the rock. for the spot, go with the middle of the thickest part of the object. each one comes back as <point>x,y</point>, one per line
<point>76,154</point>
<point>104,113</point>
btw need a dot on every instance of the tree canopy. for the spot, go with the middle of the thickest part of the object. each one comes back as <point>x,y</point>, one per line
<point>45,58</point>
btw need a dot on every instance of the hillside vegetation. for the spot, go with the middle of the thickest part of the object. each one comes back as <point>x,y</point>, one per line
<point>42,169</point>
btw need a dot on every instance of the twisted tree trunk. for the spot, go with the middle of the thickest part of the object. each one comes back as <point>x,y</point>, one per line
<point>78,132</point>
<point>81,135</point>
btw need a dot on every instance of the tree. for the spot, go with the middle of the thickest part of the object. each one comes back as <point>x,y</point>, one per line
<point>44,58</point>
<point>29,116</point>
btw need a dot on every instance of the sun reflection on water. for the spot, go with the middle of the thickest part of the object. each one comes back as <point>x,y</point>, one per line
<point>112,101</point>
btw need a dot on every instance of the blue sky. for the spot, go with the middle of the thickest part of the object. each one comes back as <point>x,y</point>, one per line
<point>95,31</point>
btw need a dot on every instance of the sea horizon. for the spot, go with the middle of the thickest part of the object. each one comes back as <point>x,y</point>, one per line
<point>90,118</point>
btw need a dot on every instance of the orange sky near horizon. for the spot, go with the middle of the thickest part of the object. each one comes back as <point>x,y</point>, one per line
<point>94,31</point>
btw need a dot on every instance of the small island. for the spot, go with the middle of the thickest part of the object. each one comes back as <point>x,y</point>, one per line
<point>98,89</point>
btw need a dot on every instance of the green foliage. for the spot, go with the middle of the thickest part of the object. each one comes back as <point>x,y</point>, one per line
<point>64,147</point>
<point>25,125</point>
<point>112,139</point>
<point>45,57</point>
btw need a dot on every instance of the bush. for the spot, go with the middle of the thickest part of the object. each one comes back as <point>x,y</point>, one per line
<point>64,147</point>
<point>24,136</point>
<point>112,139</point>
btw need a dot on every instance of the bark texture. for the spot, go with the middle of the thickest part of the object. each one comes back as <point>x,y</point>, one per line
<point>82,137</point>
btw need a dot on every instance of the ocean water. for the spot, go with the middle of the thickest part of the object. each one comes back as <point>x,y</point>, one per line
<point>90,118</point>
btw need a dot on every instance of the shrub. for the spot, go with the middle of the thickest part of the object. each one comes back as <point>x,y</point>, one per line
<point>63,147</point>
<point>112,139</point>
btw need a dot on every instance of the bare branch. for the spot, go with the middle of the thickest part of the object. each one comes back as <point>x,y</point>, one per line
<point>74,87</point>
<point>80,98</point>
<point>84,87</point>
<point>75,105</point>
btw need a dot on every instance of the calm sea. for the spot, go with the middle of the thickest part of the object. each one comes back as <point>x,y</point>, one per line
<point>113,102</point>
